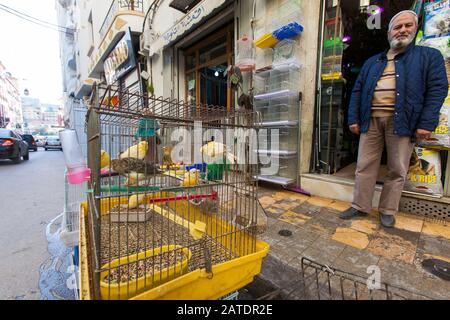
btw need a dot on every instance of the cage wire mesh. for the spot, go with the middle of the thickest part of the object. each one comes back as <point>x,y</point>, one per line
<point>173,189</point>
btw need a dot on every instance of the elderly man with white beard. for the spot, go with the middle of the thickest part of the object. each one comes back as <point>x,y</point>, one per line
<point>396,99</point>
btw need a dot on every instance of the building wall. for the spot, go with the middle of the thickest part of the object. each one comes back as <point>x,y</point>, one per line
<point>65,16</point>
<point>10,104</point>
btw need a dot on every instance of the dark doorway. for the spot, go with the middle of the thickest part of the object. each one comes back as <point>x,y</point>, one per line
<point>348,43</point>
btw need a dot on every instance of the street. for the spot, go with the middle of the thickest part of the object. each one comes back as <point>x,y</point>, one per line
<point>32,194</point>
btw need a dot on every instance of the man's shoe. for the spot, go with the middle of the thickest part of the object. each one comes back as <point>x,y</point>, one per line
<point>387,221</point>
<point>352,213</point>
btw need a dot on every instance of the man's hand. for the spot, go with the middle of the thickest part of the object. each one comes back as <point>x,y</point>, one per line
<point>423,134</point>
<point>356,129</point>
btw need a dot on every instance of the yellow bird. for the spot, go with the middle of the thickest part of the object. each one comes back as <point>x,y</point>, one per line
<point>213,149</point>
<point>133,178</point>
<point>191,178</point>
<point>138,151</point>
<point>135,201</point>
<point>216,150</point>
<point>104,159</point>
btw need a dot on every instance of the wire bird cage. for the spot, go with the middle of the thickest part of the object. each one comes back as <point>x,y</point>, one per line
<point>164,205</point>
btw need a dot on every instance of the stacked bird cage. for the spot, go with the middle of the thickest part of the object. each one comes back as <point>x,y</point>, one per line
<point>172,196</point>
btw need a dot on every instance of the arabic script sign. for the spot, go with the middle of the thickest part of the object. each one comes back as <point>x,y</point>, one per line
<point>202,10</point>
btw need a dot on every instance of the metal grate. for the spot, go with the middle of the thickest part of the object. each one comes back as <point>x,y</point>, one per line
<point>428,209</point>
<point>321,282</point>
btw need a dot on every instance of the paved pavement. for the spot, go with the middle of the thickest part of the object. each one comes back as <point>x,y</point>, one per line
<point>31,195</point>
<point>317,233</point>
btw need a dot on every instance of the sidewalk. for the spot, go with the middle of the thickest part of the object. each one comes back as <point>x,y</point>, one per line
<point>317,233</point>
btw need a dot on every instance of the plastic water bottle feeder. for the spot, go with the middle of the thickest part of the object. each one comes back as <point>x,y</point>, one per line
<point>78,172</point>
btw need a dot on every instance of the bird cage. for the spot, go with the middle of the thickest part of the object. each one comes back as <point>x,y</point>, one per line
<point>173,197</point>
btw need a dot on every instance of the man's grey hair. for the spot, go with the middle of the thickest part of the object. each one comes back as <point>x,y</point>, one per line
<point>416,18</point>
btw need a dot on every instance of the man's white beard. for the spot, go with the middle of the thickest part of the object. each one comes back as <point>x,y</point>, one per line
<point>401,44</point>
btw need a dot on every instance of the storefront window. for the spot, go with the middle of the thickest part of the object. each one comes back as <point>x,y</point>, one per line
<point>206,65</point>
<point>191,61</point>
<point>213,84</point>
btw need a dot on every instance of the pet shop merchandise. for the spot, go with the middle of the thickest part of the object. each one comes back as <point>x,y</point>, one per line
<point>437,19</point>
<point>425,172</point>
<point>441,136</point>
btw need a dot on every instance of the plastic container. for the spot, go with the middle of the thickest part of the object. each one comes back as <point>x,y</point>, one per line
<point>278,140</point>
<point>199,166</point>
<point>126,290</point>
<point>279,165</point>
<point>77,170</point>
<point>286,12</point>
<point>147,128</point>
<point>245,59</point>
<point>281,81</point>
<point>281,111</point>
<point>228,276</point>
<point>285,53</point>
<point>215,171</point>
<point>331,67</point>
<point>332,76</point>
<point>335,52</point>
<point>266,41</point>
<point>288,31</point>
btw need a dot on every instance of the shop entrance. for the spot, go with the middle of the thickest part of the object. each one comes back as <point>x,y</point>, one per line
<point>348,43</point>
<point>205,69</point>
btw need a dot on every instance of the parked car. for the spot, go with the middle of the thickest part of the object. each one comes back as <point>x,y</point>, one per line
<point>53,142</point>
<point>40,141</point>
<point>12,146</point>
<point>32,145</point>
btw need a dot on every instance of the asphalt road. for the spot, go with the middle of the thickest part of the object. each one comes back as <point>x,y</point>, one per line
<point>31,195</point>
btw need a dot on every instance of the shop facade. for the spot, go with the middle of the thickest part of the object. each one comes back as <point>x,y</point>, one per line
<point>351,32</point>
<point>188,57</point>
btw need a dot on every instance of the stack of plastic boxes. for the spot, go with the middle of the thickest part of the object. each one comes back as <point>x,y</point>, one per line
<point>277,95</point>
<point>277,100</point>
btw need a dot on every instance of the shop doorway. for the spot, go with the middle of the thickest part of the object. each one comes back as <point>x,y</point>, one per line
<point>348,43</point>
<point>205,69</point>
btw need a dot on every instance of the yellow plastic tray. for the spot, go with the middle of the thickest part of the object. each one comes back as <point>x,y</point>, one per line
<point>266,41</point>
<point>125,290</point>
<point>197,285</point>
<point>332,76</point>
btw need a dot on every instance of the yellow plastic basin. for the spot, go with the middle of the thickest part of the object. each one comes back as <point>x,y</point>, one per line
<point>127,290</point>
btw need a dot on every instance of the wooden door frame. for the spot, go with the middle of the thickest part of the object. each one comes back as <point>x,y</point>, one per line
<point>227,31</point>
